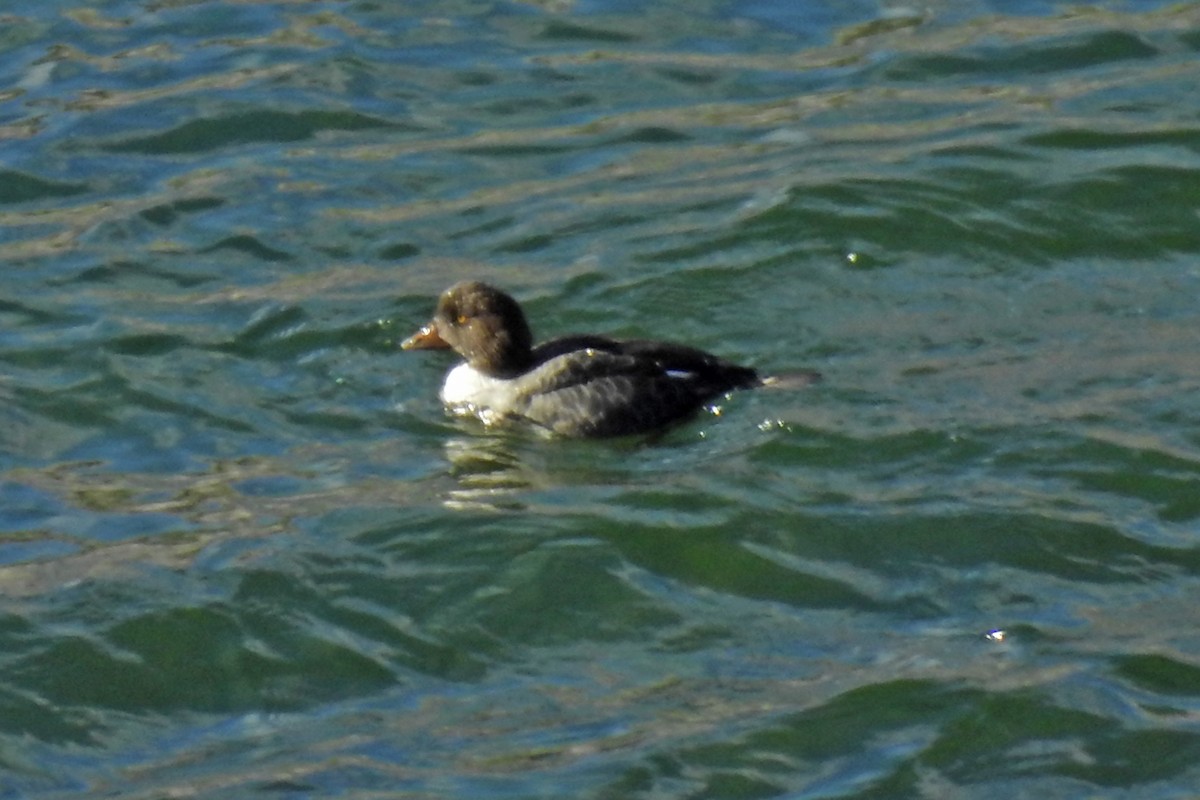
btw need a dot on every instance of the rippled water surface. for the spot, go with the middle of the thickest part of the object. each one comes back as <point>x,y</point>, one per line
<point>243,552</point>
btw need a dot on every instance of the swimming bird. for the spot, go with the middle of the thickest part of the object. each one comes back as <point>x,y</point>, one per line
<point>579,386</point>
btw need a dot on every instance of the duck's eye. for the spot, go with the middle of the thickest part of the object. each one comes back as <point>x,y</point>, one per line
<point>462,319</point>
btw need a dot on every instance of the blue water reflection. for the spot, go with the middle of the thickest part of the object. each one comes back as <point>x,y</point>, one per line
<point>243,549</point>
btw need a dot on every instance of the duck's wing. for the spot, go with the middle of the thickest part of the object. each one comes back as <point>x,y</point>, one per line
<point>651,355</point>
<point>610,388</point>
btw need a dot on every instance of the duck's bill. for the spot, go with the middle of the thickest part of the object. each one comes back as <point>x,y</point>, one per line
<point>425,339</point>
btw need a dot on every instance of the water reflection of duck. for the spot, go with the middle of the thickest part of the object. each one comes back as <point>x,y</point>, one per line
<point>582,385</point>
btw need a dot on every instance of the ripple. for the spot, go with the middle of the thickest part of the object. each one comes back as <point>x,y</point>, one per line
<point>199,136</point>
<point>16,187</point>
<point>243,548</point>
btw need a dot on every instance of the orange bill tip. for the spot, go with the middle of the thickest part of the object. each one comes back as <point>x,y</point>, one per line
<point>425,339</point>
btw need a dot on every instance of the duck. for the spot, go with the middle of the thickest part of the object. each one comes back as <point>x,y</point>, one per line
<point>579,386</point>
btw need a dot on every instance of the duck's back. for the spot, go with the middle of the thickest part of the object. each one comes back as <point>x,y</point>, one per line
<point>595,386</point>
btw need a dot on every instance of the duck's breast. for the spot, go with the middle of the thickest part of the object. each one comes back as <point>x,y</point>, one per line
<point>468,391</point>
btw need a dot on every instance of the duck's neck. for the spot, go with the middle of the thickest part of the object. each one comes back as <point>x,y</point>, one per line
<point>502,356</point>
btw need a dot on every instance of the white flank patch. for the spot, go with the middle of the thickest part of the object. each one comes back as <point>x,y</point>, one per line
<point>468,391</point>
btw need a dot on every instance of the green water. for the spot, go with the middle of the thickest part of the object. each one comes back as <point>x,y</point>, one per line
<point>243,551</point>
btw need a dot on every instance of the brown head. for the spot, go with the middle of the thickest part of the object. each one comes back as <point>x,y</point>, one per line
<point>483,325</point>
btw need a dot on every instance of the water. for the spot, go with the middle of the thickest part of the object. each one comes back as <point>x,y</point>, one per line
<point>243,551</point>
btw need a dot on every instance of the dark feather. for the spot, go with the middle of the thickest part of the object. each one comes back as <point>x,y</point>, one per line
<point>601,387</point>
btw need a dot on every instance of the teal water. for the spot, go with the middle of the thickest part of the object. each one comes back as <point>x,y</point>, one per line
<point>244,553</point>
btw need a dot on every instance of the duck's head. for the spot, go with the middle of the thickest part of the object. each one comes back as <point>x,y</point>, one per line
<point>480,323</point>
